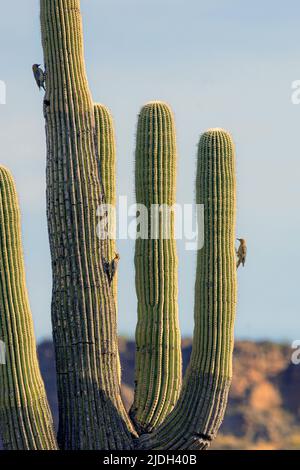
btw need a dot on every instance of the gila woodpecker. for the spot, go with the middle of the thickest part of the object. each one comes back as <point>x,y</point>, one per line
<point>241,252</point>
<point>39,76</point>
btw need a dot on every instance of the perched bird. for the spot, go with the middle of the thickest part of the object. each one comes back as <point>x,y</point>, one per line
<point>114,266</point>
<point>241,252</point>
<point>110,269</point>
<point>39,76</point>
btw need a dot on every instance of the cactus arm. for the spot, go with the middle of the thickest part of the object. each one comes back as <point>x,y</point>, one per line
<point>158,357</point>
<point>92,415</point>
<point>198,414</point>
<point>106,160</point>
<point>25,418</point>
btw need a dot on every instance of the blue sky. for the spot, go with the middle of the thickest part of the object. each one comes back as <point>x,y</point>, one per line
<point>218,64</point>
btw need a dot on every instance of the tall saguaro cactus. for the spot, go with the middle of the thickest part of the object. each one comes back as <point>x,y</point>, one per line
<point>80,177</point>
<point>83,310</point>
<point>25,418</point>
<point>158,358</point>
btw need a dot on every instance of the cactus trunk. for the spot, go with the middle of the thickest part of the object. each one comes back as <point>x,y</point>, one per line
<point>25,418</point>
<point>195,420</point>
<point>158,350</point>
<point>92,415</point>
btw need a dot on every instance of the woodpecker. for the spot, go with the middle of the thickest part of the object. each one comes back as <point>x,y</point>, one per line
<point>241,252</point>
<point>114,267</point>
<point>110,269</point>
<point>39,76</point>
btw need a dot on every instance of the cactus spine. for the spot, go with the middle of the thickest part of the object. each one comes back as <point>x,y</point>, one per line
<point>91,412</point>
<point>25,419</point>
<point>198,414</point>
<point>158,343</point>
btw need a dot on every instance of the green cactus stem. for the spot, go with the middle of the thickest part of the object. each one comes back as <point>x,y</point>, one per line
<point>91,412</point>
<point>106,156</point>
<point>198,414</point>
<point>106,153</point>
<point>158,349</point>
<point>25,418</point>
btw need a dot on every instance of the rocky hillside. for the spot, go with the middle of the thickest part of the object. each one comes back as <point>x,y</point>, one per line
<point>264,405</point>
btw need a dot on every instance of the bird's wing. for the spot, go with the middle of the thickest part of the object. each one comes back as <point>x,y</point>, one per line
<point>41,74</point>
<point>105,264</point>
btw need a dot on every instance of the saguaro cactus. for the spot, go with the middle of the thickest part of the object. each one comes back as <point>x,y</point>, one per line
<point>158,358</point>
<point>198,414</point>
<point>80,177</point>
<point>25,418</point>
<point>83,309</point>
